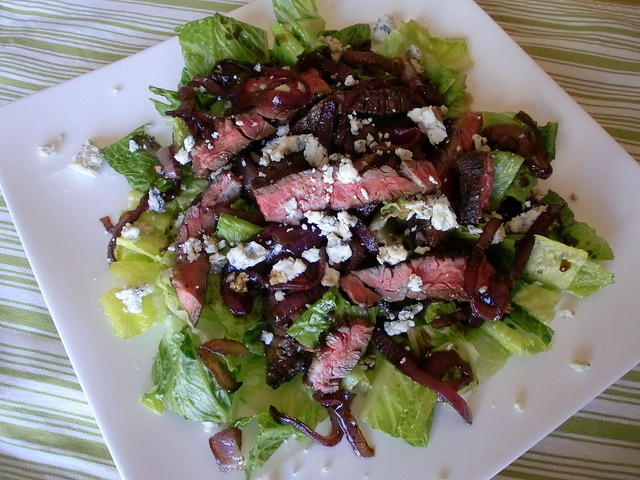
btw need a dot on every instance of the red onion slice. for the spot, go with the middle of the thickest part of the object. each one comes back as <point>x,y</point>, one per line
<point>326,440</point>
<point>225,446</point>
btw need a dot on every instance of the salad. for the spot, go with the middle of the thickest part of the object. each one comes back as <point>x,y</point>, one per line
<point>333,221</point>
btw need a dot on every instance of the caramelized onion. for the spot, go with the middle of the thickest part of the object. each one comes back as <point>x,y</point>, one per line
<point>540,167</point>
<point>326,440</point>
<point>226,448</point>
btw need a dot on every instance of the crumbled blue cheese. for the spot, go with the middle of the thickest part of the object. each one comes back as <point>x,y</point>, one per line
<point>286,270</point>
<point>246,255</point>
<point>276,150</point>
<point>47,150</point>
<point>392,254</point>
<point>212,244</point>
<point>335,46</point>
<point>88,160</point>
<point>522,222</point>
<point>266,337</point>
<point>415,57</point>
<point>347,173</point>
<point>339,225</point>
<point>290,207</point>
<point>404,321</point>
<point>429,121</point>
<point>409,312</point>
<point>131,297</point>
<point>155,202</point>
<point>192,248</point>
<point>130,232</point>
<point>404,154</point>
<point>480,143</point>
<point>337,249</point>
<point>396,327</point>
<point>414,283</point>
<point>580,365</point>
<point>349,81</point>
<point>312,255</point>
<point>382,28</point>
<point>435,208</point>
<point>331,277</point>
<point>182,156</point>
<point>279,296</point>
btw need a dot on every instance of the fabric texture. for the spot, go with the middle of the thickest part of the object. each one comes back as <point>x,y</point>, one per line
<point>47,430</point>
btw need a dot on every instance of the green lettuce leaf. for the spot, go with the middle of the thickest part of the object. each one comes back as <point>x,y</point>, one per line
<point>235,230</point>
<point>442,59</point>
<point>538,300</point>
<point>591,278</point>
<point>137,166</point>
<point>302,19</point>
<point>315,320</point>
<point>206,41</point>
<point>399,406</point>
<point>352,35</point>
<point>505,168</point>
<point>183,385</point>
<point>554,263</point>
<point>287,48</point>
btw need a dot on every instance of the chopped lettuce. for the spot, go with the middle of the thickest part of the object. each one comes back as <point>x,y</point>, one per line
<point>130,156</point>
<point>505,168</point>
<point>554,263</point>
<point>538,300</point>
<point>353,35</point>
<point>520,333</point>
<point>183,385</point>
<point>399,406</point>
<point>301,17</point>
<point>443,60</point>
<point>235,230</point>
<point>218,37</point>
<point>590,278</point>
<point>315,320</point>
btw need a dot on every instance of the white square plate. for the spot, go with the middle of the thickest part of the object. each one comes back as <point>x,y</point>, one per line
<point>56,212</point>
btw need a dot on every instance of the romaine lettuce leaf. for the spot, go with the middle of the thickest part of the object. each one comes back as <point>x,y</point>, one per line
<point>353,35</point>
<point>399,406</point>
<point>183,385</point>
<point>554,263</point>
<point>505,168</point>
<point>315,320</point>
<point>302,19</point>
<point>235,230</point>
<point>206,41</point>
<point>538,300</point>
<point>136,165</point>
<point>591,278</point>
<point>442,58</point>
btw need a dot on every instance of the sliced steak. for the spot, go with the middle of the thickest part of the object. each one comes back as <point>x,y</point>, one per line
<point>476,183</point>
<point>459,140</point>
<point>421,172</point>
<point>428,277</point>
<point>358,292</point>
<point>215,152</point>
<point>192,265</point>
<point>339,353</point>
<point>286,200</point>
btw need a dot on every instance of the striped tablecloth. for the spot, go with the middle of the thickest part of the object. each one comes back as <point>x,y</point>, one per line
<point>47,430</point>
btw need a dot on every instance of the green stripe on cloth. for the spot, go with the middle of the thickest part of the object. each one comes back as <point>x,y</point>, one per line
<point>591,48</point>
